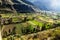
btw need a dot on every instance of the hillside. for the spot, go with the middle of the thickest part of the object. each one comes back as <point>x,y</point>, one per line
<point>21,25</point>
<point>18,6</point>
<point>21,20</point>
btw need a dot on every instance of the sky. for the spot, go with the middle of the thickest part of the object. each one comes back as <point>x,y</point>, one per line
<point>52,5</point>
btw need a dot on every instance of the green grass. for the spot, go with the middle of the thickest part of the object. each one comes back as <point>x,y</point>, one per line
<point>6,15</point>
<point>18,30</point>
<point>37,23</point>
<point>15,19</point>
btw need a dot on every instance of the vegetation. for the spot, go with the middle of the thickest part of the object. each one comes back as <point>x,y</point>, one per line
<point>23,24</point>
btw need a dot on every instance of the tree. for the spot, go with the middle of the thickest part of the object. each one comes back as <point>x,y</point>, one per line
<point>24,30</point>
<point>10,20</point>
<point>43,27</point>
<point>5,34</point>
<point>9,31</point>
<point>25,19</point>
<point>14,31</point>
<point>38,28</point>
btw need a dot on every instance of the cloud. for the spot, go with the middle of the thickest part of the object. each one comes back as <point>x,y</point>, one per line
<point>53,5</point>
<point>32,0</point>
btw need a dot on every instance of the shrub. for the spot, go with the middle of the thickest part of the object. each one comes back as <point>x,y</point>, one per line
<point>48,26</point>
<point>13,31</point>
<point>23,30</point>
<point>30,29</point>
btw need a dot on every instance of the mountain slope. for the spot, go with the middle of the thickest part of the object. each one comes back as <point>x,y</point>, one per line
<point>18,5</point>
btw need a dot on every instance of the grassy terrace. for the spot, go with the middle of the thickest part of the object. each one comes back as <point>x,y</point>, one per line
<point>24,24</point>
<point>34,22</point>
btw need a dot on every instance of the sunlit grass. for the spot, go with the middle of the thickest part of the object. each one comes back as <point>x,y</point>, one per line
<point>34,22</point>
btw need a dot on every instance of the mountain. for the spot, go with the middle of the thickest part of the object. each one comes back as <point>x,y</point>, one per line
<point>17,6</point>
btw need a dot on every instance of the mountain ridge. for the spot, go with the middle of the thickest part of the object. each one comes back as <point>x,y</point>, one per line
<point>19,6</point>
